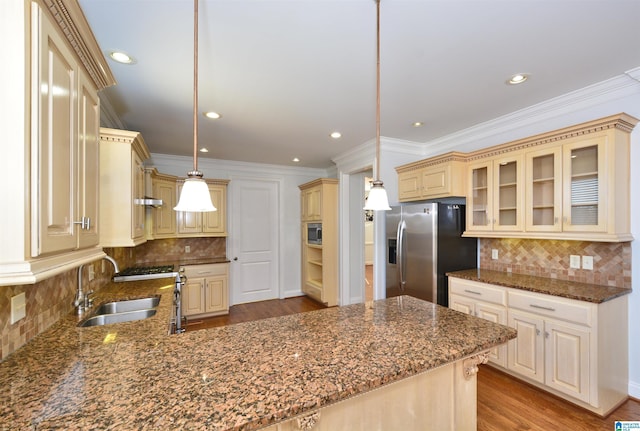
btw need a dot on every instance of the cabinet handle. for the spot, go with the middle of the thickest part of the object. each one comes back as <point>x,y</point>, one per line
<point>546,334</point>
<point>537,332</point>
<point>542,307</point>
<point>473,291</point>
<point>85,223</point>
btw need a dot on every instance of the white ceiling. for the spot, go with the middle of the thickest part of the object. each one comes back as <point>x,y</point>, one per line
<point>286,73</point>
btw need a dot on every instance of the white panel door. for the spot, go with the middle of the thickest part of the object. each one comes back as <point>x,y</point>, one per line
<point>255,221</point>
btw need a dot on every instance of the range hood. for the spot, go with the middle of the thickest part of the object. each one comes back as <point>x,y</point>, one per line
<point>155,203</point>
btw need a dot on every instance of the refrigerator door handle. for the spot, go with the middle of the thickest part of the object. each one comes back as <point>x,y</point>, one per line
<point>402,226</point>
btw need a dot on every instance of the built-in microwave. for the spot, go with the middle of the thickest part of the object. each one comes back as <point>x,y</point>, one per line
<point>314,233</point>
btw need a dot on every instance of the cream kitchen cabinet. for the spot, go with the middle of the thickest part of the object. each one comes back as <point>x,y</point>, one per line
<point>575,185</point>
<point>564,346</point>
<point>496,198</point>
<point>436,177</point>
<point>54,223</point>
<point>311,203</point>
<point>320,261</point>
<point>484,301</point>
<point>122,188</point>
<point>552,350</point>
<point>206,290</point>
<point>209,224</point>
<point>161,220</point>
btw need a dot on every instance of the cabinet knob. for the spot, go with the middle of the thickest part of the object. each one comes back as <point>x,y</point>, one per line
<point>537,332</point>
<point>235,258</point>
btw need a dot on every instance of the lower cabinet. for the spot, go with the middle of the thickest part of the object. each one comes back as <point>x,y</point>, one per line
<point>206,291</point>
<point>574,349</point>
<point>484,301</point>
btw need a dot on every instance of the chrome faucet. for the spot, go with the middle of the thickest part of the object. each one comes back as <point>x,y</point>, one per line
<point>83,299</point>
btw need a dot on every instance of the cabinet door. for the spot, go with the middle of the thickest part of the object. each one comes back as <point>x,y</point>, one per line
<point>54,113</point>
<point>543,208</point>
<point>89,164</point>
<point>479,200</point>
<point>526,351</point>
<point>188,222</point>
<point>567,360</point>
<point>508,194</point>
<point>410,185</point>
<point>312,203</point>
<point>495,314</point>
<point>462,304</point>
<point>137,193</point>
<point>216,296</point>
<point>165,216</point>
<point>215,222</point>
<point>436,181</point>
<point>193,296</point>
<point>584,197</point>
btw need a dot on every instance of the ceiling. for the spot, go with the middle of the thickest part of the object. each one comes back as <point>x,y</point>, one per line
<point>284,74</point>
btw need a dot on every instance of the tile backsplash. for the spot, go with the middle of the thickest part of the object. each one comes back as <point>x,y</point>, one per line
<point>550,258</point>
<point>48,300</point>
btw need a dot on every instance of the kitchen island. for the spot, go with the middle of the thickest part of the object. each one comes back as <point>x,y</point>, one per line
<point>246,376</point>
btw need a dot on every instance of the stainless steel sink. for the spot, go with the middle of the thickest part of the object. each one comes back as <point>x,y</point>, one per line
<point>122,311</point>
<point>127,305</point>
<point>128,316</point>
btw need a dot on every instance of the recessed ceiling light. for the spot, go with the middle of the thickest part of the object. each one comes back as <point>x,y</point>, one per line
<point>122,57</point>
<point>418,124</point>
<point>296,160</point>
<point>204,150</point>
<point>336,135</point>
<point>212,115</point>
<point>518,78</point>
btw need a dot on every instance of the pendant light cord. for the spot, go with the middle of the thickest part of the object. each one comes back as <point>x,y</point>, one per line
<point>195,86</point>
<point>378,90</point>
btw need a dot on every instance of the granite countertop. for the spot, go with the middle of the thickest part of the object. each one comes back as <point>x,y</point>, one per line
<point>550,286</point>
<point>240,377</point>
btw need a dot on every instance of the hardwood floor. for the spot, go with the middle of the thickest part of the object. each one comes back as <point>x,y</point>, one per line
<point>256,310</point>
<point>504,403</point>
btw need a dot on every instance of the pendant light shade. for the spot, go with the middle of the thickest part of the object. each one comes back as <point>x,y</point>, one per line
<point>195,195</point>
<point>377,199</point>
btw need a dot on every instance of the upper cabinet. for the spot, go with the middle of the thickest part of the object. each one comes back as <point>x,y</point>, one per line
<point>568,184</point>
<point>495,199</point>
<point>161,220</point>
<point>212,224</point>
<point>436,177</point>
<point>54,135</point>
<point>122,188</point>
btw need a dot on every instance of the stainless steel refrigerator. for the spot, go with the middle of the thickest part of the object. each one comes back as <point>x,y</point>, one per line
<point>424,241</point>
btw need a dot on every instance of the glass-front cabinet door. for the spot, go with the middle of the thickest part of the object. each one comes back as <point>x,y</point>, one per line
<point>508,193</point>
<point>584,197</point>
<point>480,196</point>
<point>543,208</point>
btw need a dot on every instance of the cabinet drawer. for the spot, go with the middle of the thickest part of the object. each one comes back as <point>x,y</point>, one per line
<point>479,291</point>
<point>199,271</point>
<point>551,306</point>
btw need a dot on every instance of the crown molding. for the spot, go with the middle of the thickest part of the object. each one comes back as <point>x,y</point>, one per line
<point>70,19</point>
<point>593,95</point>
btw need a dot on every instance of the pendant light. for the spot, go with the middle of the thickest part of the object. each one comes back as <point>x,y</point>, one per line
<point>195,195</point>
<point>377,199</point>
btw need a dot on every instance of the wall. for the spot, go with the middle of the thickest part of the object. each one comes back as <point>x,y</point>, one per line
<point>173,249</point>
<point>46,302</point>
<point>547,258</point>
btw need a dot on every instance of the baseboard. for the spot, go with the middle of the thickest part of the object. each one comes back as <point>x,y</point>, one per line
<point>634,390</point>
